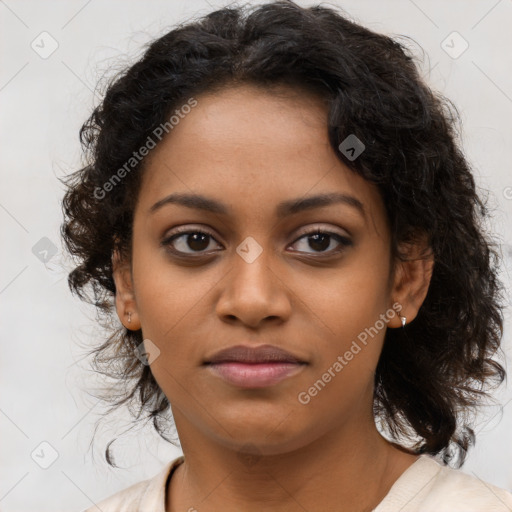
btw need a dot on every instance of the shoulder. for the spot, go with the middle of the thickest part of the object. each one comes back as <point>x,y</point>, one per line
<point>428,486</point>
<point>465,492</point>
<point>144,496</point>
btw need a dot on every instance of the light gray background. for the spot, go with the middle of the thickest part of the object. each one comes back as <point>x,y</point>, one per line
<point>45,330</point>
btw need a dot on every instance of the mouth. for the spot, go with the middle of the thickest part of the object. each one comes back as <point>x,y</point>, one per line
<point>255,375</point>
<point>254,367</point>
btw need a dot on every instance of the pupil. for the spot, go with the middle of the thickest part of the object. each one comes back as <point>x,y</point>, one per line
<point>319,245</point>
<point>197,243</point>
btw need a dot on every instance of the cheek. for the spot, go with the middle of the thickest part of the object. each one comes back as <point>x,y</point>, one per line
<point>351,305</point>
<point>165,293</point>
<point>351,297</point>
<point>173,305</point>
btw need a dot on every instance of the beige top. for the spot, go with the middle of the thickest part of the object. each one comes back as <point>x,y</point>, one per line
<point>425,486</point>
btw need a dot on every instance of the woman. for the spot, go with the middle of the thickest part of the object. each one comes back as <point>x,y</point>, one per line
<point>276,206</point>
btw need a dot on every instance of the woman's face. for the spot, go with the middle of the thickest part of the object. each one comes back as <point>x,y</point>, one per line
<point>255,277</point>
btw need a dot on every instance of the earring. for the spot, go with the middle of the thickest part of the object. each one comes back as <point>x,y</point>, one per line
<point>404,320</point>
<point>129,317</point>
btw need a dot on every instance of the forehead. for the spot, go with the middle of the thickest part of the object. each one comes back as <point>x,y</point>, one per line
<point>244,122</point>
<point>254,148</point>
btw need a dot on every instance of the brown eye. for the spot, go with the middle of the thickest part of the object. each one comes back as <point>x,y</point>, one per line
<point>320,241</point>
<point>188,242</point>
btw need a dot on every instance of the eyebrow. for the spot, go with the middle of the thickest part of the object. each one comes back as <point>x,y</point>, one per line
<point>283,209</point>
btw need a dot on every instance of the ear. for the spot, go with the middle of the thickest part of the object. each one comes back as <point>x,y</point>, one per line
<point>412,279</point>
<point>125,297</point>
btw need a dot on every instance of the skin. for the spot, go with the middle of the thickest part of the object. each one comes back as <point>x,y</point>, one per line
<point>251,149</point>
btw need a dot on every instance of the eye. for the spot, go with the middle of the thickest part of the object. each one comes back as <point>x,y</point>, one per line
<point>320,241</point>
<point>188,241</point>
<point>182,239</point>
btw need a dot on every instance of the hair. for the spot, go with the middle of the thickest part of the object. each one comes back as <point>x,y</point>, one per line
<point>431,373</point>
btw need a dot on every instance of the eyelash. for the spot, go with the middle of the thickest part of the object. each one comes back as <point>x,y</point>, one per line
<point>179,232</point>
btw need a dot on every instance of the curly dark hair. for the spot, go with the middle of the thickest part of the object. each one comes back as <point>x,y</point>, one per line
<point>432,373</point>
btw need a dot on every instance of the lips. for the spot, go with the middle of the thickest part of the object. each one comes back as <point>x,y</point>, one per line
<point>253,355</point>
<point>254,367</point>
<point>254,375</point>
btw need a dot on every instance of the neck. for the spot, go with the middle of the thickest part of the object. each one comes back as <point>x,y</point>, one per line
<point>351,466</point>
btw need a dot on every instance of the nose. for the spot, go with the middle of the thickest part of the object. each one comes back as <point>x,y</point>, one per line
<point>254,290</point>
